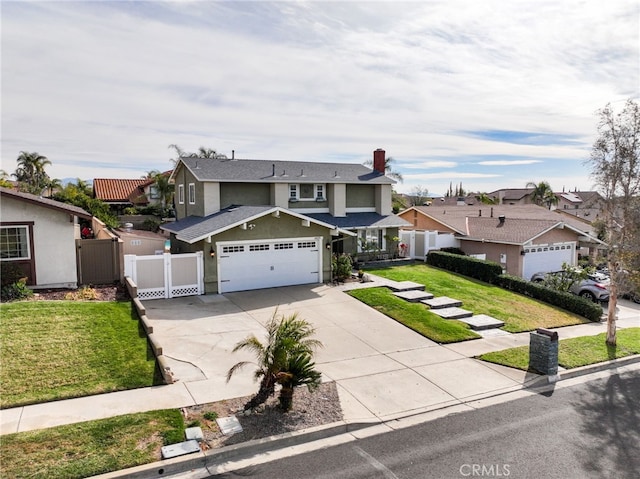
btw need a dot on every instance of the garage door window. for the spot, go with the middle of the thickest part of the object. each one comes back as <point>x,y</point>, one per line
<point>283,246</point>
<point>307,244</point>
<point>259,247</point>
<point>233,249</point>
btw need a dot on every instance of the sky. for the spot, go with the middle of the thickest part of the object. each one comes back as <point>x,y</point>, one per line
<point>490,94</point>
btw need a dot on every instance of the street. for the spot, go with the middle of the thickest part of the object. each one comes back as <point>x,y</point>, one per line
<point>589,430</point>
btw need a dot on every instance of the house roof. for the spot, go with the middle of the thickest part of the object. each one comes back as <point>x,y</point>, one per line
<point>512,193</point>
<point>196,228</point>
<point>119,190</point>
<point>265,171</point>
<point>362,220</point>
<point>522,223</point>
<point>45,202</point>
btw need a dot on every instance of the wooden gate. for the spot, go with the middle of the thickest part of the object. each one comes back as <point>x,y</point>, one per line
<point>98,261</point>
<point>166,275</point>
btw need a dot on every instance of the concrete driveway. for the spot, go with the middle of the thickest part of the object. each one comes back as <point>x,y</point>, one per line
<point>382,369</point>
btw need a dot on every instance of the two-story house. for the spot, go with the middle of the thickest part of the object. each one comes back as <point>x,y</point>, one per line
<point>266,223</point>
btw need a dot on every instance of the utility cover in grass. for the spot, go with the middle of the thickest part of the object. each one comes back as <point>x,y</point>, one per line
<point>229,425</point>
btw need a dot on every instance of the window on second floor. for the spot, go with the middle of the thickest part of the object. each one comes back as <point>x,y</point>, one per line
<point>306,191</point>
<point>154,193</point>
<point>181,194</point>
<point>192,193</point>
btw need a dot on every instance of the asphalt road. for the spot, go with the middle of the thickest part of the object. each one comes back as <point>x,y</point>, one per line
<point>591,430</point>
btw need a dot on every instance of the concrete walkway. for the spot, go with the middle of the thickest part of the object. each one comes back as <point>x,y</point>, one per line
<point>382,370</point>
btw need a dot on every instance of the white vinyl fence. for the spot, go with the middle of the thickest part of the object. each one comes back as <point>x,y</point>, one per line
<point>418,243</point>
<point>166,275</point>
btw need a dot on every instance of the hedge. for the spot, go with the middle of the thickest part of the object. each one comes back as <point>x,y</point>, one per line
<point>568,301</point>
<point>487,271</point>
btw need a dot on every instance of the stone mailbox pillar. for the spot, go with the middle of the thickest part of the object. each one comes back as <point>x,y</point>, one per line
<point>543,351</point>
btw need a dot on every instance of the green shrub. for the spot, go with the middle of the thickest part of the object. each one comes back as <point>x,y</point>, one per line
<point>210,415</point>
<point>15,291</point>
<point>564,300</point>
<point>342,266</point>
<point>453,250</point>
<point>480,269</point>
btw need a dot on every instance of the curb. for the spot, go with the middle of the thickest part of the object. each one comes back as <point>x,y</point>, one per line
<point>204,460</point>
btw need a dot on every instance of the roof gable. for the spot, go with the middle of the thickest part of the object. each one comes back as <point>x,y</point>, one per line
<point>45,202</point>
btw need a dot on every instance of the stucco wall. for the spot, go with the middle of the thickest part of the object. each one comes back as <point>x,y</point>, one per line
<point>359,196</point>
<point>556,236</point>
<point>493,251</point>
<point>422,223</point>
<point>252,194</point>
<point>54,237</point>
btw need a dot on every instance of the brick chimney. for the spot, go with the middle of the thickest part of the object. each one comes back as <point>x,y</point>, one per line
<point>378,161</point>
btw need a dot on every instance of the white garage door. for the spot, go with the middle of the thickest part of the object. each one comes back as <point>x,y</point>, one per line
<point>542,259</point>
<point>268,263</point>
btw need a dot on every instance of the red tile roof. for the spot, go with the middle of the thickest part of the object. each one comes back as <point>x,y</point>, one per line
<point>118,190</point>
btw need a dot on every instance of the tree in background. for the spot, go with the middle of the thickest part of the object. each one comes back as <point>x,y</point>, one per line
<point>201,153</point>
<point>485,199</point>
<point>388,168</point>
<point>543,194</point>
<point>419,195</point>
<point>30,173</point>
<point>615,167</point>
<point>80,194</point>
<point>162,185</point>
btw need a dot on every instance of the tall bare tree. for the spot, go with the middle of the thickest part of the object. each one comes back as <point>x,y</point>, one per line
<point>615,167</point>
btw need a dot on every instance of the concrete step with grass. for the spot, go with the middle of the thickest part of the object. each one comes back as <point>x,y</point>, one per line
<point>479,322</point>
<point>452,313</point>
<point>413,295</point>
<point>405,286</point>
<point>442,302</point>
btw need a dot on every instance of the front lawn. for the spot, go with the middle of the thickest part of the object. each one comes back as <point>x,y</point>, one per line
<point>518,312</point>
<point>90,448</point>
<point>574,352</point>
<point>415,316</point>
<point>53,350</point>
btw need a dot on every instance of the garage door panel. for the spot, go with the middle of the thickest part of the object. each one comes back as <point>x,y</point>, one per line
<point>269,264</point>
<point>547,258</point>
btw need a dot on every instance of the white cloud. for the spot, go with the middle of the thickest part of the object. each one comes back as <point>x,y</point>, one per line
<point>103,88</point>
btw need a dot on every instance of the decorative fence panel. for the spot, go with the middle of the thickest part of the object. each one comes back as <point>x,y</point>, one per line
<point>166,275</point>
<point>416,244</point>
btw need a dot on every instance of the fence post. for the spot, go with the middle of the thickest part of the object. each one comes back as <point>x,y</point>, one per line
<point>167,275</point>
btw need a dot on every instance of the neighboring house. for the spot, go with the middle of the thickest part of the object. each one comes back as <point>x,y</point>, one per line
<point>140,242</point>
<point>513,196</point>
<point>273,223</point>
<point>525,239</point>
<point>124,193</point>
<point>582,204</point>
<point>38,235</point>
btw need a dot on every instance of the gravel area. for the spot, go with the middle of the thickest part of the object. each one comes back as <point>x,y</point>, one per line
<point>309,410</point>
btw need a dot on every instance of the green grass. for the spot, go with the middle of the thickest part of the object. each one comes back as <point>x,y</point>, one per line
<point>415,316</point>
<point>89,448</point>
<point>574,352</point>
<point>53,350</point>
<point>518,312</point>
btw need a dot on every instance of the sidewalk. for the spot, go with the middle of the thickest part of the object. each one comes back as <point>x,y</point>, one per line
<point>382,369</point>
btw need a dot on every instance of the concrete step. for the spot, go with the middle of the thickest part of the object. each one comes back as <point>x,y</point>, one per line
<point>405,286</point>
<point>442,302</point>
<point>480,322</point>
<point>413,295</point>
<point>452,313</point>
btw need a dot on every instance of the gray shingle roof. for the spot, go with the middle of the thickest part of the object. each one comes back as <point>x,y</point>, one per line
<point>265,171</point>
<point>361,220</point>
<point>196,228</point>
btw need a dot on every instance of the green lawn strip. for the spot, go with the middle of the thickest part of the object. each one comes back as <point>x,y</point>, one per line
<point>414,315</point>
<point>518,312</point>
<point>62,349</point>
<point>574,352</point>
<point>89,448</point>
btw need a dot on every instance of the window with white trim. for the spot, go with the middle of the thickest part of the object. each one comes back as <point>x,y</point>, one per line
<point>192,193</point>
<point>14,243</point>
<point>293,192</point>
<point>306,191</point>
<point>371,239</point>
<point>154,192</point>
<point>319,192</point>
<point>181,194</point>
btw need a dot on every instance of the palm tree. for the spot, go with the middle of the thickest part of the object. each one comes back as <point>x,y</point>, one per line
<point>388,168</point>
<point>201,153</point>
<point>30,172</point>
<point>299,371</point>
<point>542,194</point>
<point>288,340</point>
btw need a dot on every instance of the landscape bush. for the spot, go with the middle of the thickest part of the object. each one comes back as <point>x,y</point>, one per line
<point>561,299</point>
<point>487,271</point>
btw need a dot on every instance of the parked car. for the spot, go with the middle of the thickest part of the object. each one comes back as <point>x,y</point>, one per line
<point>594,288</point>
